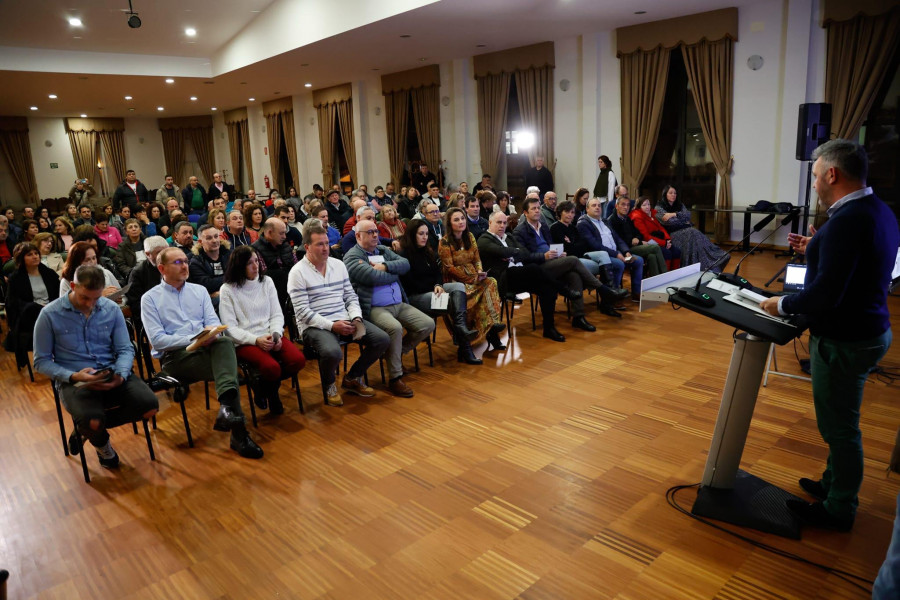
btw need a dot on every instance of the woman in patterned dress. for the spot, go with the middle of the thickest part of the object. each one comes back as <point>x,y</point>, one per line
<point>694,245</point>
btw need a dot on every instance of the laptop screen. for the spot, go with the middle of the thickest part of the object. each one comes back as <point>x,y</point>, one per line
<point>794,278</point>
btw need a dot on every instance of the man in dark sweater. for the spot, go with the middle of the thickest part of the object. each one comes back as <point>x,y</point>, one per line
<point>423,177</point>
<point>849,261</point>
<point>276,253</point>
<point>539,176</point>
<point>130,192</point>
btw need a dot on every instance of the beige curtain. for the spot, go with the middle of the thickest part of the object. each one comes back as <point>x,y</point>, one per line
<point>643,88</point>
<point>535,90</point>
<point>245,146</point>
<point>427,117</point>
<point>273,134</point>
<point>711,75</point>
<point>859,55</point>
<point>173,152</point>
<point>326,119</point>
<point>113,143</point>
<point>493,99</point>
<point>290,143</point>
<point>84,151</point>
<point>345,125</point>
<point>14,145</point>
<point>202,141</point>
<point>234,148</point>
<point>396,113</point>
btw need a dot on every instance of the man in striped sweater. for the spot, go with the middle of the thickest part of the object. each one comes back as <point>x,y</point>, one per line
<point>327,311</point>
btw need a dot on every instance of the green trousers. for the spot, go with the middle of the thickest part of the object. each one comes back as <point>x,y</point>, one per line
<point>839,372</point>
<point>216,362</point>
<point>654,261</point>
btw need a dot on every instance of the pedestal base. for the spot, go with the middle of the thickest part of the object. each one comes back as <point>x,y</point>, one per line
<point>752,503</point>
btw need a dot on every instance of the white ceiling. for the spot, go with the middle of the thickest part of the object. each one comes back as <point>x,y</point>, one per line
<point>441,31</point>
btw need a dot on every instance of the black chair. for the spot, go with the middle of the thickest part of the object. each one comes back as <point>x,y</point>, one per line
<point>507,307</point>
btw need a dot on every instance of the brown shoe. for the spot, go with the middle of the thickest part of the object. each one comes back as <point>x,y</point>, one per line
<point>399,388</point>
<point>356,386</point>
<point>332,397</point>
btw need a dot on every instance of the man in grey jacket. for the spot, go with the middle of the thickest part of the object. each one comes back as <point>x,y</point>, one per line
<point>375,274</point>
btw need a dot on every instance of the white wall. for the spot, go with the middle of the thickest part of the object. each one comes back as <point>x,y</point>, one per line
<point>52,183</point>
<point>144,152</point>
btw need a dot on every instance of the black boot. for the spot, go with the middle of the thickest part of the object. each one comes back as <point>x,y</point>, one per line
<point>275,405</point>
<point>465,355</point>
<point>458,318</point>
<point>242,444</point>
<point>260,395</point>
<point>606,277</point>
<point>493,340</point>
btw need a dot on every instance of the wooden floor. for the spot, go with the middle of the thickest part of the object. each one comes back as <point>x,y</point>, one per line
<point>540,475</point>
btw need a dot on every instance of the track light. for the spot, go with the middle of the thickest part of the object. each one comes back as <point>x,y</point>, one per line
<point>134,21</point>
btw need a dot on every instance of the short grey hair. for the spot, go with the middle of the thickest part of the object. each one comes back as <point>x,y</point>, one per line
<point>533,189</point>
<point>310,228</point>
<point>423,204</point>
<point>90,277</point>
<point>154,242</point>
<point>362,209</point>
<point>846,156</point>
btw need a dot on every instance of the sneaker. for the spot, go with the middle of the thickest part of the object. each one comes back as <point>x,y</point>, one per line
<point>356,386</point>
<point>332,397</point>
<point>109,463</point>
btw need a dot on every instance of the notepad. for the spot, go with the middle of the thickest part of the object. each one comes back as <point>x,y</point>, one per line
<point>440,302</point>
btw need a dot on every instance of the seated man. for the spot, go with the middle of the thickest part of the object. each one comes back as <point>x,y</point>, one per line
<point>487,200</point>
<point>625,229</point>
<point>276,253</point>
<point>85,216</point>
<point>518,270</point>
<point>76,336</point>
<point>173,313</point>
<point>338,210</point>
<point>327,311</point>
<point>183,236</point>
<point>534,235</point>
<point>235,233</point>
<point>208,261</point>
<point>610,207</point>
<point>144,275</point>
<point>598,236</point>
<point>365,213</point>
<point>476,223</point>
<point>434,196</point>
<point>375,273</point>
<point>293,237</point>
<point>548,210</point>
<point>431,214</point>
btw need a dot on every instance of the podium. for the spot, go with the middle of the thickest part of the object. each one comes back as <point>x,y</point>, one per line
<point>728,493</point>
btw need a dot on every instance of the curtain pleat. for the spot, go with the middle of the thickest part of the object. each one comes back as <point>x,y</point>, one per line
<point>273,135</point>
<point>245,146</point>
<point>326,117</point>
<point>202,141</point>
<point>535,90</point>
<point>84,151</point>
<point>290,143</point>
<point>493,99</point>
<point>644,76</point>
<point>859,55</point>
<point>711,75</point>
<point>396,112</point>
<point>234,148</point>
<point>173,152</point>
<point>16,148</point>
<point>427,117</point>
<point>113,143</point>
<point>345,125</point>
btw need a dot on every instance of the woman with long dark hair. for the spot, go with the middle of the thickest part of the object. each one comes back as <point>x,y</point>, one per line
<point>32,286</point>
<point>695,247</point>
<point>254,216</point>
<point>461,262</point>
<point>423,282</point>
<point>248,304</point>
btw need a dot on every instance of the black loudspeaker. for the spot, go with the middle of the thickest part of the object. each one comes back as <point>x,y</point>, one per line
<point>813,128</point>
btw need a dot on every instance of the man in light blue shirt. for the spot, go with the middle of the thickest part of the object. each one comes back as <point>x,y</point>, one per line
<point>81,338</point>
<point>174,313</point>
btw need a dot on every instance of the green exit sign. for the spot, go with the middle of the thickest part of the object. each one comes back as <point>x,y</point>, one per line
<point>54,165</point>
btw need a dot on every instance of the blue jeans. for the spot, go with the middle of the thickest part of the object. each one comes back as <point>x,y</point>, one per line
<point>594,260</point>
<point>636,266</point>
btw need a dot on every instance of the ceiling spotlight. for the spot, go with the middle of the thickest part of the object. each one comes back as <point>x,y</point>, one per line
<point>170,80</point>
<point>214,108</point>
<point>193,98</point>
<point>307,85</point>
<point>34,108</point>
<point>190,31</point>
<point>133,21</point>
<point>75,22</point>
<point>252,99</point>
<point>159,108</point>
<point>52,96</point>
<point>84,116</point>
<point>640,12</point>
<point>128,97</point>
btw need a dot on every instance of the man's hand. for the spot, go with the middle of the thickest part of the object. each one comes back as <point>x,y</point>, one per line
<point>636,242</point>
<point>550,255</point>
<point>438,290</point>
<point>109,291</point>
<point>380,267</point>
<point>343,327</point>
<point>395,245</point>
<point>770,305</point>
<point>265,342</point>
<point>116,381</point>
<point>799,242</point>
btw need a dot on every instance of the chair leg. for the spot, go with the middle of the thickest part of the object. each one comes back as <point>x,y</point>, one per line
<point>533,321</point>
<point>134,426</point>
<point>187,426</point>
<point>416,359</point>
<point>252,405</point>
<point>30,372</point>
<point>62,425</point>
<point>149,441</point>
<point>295,383</point>
<point>84,467</point>
<point>154,422</point>
<point>381,366</point>
<point>430,355</point>
<point>206,390</point>
<point>509,314</point>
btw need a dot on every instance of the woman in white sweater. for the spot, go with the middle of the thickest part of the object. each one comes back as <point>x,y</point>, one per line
<point>248,304</point>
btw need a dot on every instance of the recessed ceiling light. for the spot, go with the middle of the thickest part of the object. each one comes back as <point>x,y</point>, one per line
<point>423,59</point>
<point>52,96</point>
<point>252,99</point>
<point>193,98</point>
<point>159,108</point>
<point>84,116</point>
<point>304,64</point>
<point>640,12</point>
<point>131,109</point>
<point>405,35</point>
<point>213,108</point>
<point>75,22</point>
<point>480,45</point>
<point>307,85</point>
<point>34,108</point>
<point>128,97</point>
<point>170,80</point>
<point>190,31</point>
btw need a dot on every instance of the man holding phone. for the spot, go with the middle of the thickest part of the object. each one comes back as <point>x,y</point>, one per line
<point>81,342</point>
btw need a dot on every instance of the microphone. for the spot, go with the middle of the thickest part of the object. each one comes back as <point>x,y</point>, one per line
<point>734,278</point>
<point>694,295</point>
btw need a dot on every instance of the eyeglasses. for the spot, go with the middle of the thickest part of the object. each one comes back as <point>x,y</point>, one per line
<point>432,212</point>
<point>179,261</point>
<point>372,232</point>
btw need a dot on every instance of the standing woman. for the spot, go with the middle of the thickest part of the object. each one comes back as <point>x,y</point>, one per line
<point>254,215</point>
<point>605,188</point>
<point>424,281</point>
<point>695,247</point>
<point>63,229</point>
<point>248,304</point>
<point>461,262</point>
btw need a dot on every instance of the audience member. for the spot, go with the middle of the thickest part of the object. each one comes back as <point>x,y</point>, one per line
<point>277,255</point>
<point>598,236</point>
<point>168,190</point>
<point>208,259</point>
<point>50,256</point>
<point>108,234</point>
<point>605,186</point>
<point>611,207</point>
<point>85,216</point>
<point>356,204</point>
<point>487,201</point>
<point>236,234</point>
<point>565,232</point>
<point>131,249</point>
<point>624,228</point>
<point>71,212</point>
<point>381,199</point>
<point>183,236</point>
<point>31,287</point>
<point>118,220</point>
<point>320,214</point>
<point>408,205</point>
<point>474,221</point>
<point>6,245</point>
<point>130,192</point>
<point>390,227</point>
<point>292,234</point>
<point>484,184</point>
<point>694,245</point>
<point>84,253</point>
<point>193,196</point>
<point>81,191</point>
<point>644,219</point>
<point>148,228</point>
<point>218,186</point>
<point>29,230</point>
<point>144,275</point>
<point>539,176</point>
<point>434,196</point>
<point>548,210</point>
<point>422,178</point>
<point>431,214</point>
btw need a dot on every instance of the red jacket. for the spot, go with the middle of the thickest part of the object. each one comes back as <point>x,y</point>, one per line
<point>649,227</point>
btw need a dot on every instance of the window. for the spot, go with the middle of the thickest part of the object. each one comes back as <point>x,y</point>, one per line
<point>879,136</point>
<point>512,142</point>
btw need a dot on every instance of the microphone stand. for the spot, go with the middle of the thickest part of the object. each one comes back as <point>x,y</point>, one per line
<point>734,278</point>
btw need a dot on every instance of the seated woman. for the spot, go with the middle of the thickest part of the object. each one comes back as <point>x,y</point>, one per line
<point>44,224</point>
<point>582,195</point>
<point>408,204</point>
<point>564,232</point>
<point>695,246</point>
<point>108,234</point>
<point>644,218</point>
<point>148,227</point>
<point>461,262</point>
<point>216,218</point>
<point>254,215</point>
<point>118,221</point>
<point>63,229</point>
<point>618,221</point>
<point>457,199</point>
<point>84,253</point>
<point>131,249</point>
<point>155,213</point>
<point>29,230</point>
<point>71,212</point>
<point>46,244</point>
<point>424,281</point>
<point>248,305</point>
<point>390,226</point>
<point>32,286</point>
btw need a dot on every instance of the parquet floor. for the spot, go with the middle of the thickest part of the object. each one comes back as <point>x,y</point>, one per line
<point>540,475</point>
